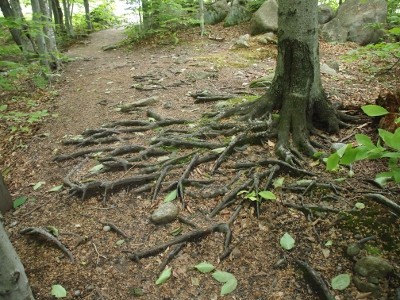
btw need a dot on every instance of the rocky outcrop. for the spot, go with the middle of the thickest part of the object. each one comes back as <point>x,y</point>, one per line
<point>265,19</point>
<point>216,13</point>
<point>238,14</point>
<point>356,15</point>
<point>325,13</point>
<point>333,31</point>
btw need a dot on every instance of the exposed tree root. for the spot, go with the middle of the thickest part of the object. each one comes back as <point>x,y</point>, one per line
<point>48,237</point>
<point>317,280</point>
<point>187,237</point>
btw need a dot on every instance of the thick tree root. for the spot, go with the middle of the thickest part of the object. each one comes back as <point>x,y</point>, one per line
<point>316,279</point>
<point>48,237</point>
<point>187,237</point>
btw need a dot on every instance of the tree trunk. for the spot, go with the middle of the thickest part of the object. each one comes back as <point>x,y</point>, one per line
<point>21,36</point>
<point>13,281</point>
<point>68,19</point>
<point>40,40</point>
<point>201,4</point>
<point>50,37</point>
<point>58,14</point>
<point>87,16</point>
<point>5,198</point>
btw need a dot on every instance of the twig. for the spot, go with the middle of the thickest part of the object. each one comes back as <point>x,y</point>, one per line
<point>98,254</point>
<point>115,228</point>
<point>49,237</point>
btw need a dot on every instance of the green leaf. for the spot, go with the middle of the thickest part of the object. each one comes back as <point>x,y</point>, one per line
<point>3,107</point>
<point>287,242</point>
<point>37,185</point>
<point>349,157</point>
<point>332,162</point>
<point>219,150</point>
<point>229,280</point>
<point>251,196</point>
<point>120,242</point>
<point>176,231</point>
<point>267,195</point>
<point>58,291</point>
<point>341,282</point>
<point>204,267</point>
<point>19,201</point>
<point>360,205</point>
<point>328,243</point>
<point>96,168</point>
<point>53,230</point>
<point>165,275</point>
<point>171,196</point>
<point>278,182</point>
<point>365,140</point>
<point>242,192</point>
<point>374,110</point>
<point>56,188</point>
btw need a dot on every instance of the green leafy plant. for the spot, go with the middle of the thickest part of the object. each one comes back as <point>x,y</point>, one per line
<point>254,197</point>
<point>348,154</point>
<point>19,201</point>
<point>171,196</point>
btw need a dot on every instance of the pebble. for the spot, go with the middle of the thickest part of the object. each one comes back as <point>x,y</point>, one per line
<point>106,228</point>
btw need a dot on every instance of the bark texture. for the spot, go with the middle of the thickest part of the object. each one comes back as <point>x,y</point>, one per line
<point>5,198</point>
<point>13,281</point>
<point>296,90</point>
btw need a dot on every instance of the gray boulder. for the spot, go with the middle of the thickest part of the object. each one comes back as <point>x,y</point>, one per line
<point>265,19</point>
<point>216,13</point>
<point>355,15</point>
<point>165,213</point>
<point>238,14</point>
<point>333,31</point>
<point>325,13</point>
<point>371,273</point>
<point>372,266</point>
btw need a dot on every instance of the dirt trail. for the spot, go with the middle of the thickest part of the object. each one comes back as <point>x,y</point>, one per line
<point>90,89</point>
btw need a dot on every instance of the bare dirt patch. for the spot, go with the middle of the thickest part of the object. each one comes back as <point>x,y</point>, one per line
<point>92,88</point>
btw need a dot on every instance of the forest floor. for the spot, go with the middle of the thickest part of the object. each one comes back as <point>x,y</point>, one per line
<point>89,92</point>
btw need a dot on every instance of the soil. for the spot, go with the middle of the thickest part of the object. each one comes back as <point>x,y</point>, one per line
<point>89,92</point>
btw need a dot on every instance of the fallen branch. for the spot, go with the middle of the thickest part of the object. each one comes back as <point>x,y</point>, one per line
<point>174,251</point>
<point>48,237</point>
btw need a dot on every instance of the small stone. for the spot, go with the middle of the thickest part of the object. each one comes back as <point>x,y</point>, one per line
<point>165,213</point>
<point>353,249</point>
<point>90,287</point>
<point>106,228</point>
<point>77,293</point>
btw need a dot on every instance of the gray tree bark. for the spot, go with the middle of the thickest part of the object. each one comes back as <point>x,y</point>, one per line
<point>87,16</point>
<point>68,19</point>
<point>58,14</point>
<point>40,40</point>
<point>201,4</point>
<point>50,37</point>
<point>296,90</point>
<point>6,202</point>
<point>13,281</point>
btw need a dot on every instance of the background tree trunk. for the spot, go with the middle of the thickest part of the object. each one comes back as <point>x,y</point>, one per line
<point>50,37</point>
<point>6,202</point>
<point>13,281</point>
<point>68,19</point>
<point>87,16</point>
<point>58,14</point>
<point>201,4</point>
<point>41,43</point>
